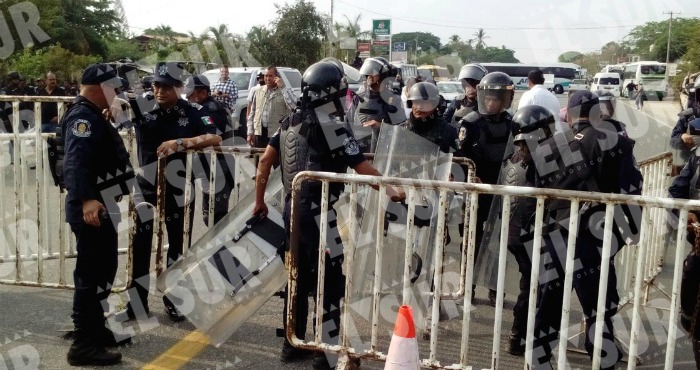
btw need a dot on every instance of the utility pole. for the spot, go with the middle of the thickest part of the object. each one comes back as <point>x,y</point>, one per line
<point>330,33</point>
<point>668,42</point>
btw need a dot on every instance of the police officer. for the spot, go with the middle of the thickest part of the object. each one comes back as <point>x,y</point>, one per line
<point>198,91</point>
<point>532,124</point>
<point>93,152</point>
<point>583,158</point>
<point>172,128</point>
<point>484,136</point>
<point>470,75</point>
<point>378,102</point>
<point>680,139</point>
<point>423,100</point>
<point>687,186</point>
<point>607,107</point>
<point>327,146</point>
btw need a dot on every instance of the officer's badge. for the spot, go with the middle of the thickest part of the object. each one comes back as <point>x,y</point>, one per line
<point>351,146</point>
<point>163,70</point>
<point>207,120</point>
<point>462,133</point>
<point>183,121</point>
<point>82,128</point>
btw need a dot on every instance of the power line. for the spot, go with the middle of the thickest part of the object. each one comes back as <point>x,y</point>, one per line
<point>485,26</point>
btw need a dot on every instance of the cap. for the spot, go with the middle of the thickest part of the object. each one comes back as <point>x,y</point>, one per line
<point>583,98</point>
<point>197,82</point>
<point>170,73</point>
<point>100,73</point>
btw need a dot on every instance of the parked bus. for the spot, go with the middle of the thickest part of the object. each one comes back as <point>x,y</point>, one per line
<point>614,68</point>
<point>406,70</point>
<point>651,74</point>
<point>433,72</point>
<point>563,73</point>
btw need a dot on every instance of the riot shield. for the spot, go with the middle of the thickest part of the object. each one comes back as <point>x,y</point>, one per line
<point>487,261</point>
<point>400,153</point>
<point>232,270</point>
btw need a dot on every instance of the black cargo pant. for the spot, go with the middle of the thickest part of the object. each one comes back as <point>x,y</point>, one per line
<point>95,269</point>
<point>334,287</point>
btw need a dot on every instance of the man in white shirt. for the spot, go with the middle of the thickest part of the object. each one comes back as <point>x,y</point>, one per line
<point>539,95</point>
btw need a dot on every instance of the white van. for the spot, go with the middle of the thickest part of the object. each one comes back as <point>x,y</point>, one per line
<point>607,81</point>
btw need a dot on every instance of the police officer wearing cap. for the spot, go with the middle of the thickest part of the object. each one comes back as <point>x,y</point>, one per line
<point>583,158</point>
<point>484,136</point>
<point>314,138</point>
<point>470,75</point>
<point>423,99</point>
<point>198,91</point>
<point>378,103</point>
<point>175,126</point>
<point>94,152</point>
<point>681,140</point>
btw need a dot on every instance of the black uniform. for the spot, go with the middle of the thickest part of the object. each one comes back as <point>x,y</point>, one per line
<point>373,106</point>
<point>184,120</point>
<point>602,153</point>
<point>681,128</point>
<point>484,140</point>
<point>93,150</point>
<point>304,144</point>
<point>224,174</point>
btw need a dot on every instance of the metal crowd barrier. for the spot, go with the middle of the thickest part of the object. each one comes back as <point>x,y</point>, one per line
<point>641,262</point>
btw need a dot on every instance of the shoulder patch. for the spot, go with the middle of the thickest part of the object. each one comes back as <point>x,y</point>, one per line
<point>207,120</point>
<point>195,105</point>
<point>351,146</point>
<point>81,128</point>
<point>462,134</point>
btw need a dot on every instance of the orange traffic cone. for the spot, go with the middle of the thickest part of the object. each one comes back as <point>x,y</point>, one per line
<point>403,350</point>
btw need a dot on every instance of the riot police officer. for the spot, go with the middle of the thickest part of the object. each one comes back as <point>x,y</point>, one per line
<point>315,131</point>
<point>172,128</point>
<point>681,141</point>
<point>470,75</point>
<point>532,124</point>
<point>378,102</point>
<point>583,158</point>
<point>484,137</point>
<point>423,100</point>
<point>199,91</point>
<point>94,151</point>
<point>686,186</point>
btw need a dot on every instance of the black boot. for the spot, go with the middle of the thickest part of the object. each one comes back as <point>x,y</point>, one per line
<point>516,345</point>
<point>85,351</point>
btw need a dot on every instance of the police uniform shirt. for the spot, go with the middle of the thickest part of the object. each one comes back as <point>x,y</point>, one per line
<point>435,130</point>
<point>683,185</point>
<point>184,120</point>
<point>222,120</point>
<point>93,150</point>
<point>484,140</point>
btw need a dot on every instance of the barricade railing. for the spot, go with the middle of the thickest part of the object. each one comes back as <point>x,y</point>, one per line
<point>638,261</point>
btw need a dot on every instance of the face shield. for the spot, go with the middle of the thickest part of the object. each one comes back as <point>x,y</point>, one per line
<point>494,100</point>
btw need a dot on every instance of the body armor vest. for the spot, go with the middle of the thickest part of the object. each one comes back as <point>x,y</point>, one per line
<point>518,171</point>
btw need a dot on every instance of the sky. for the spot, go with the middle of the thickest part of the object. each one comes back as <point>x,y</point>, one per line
<point>537,30</point>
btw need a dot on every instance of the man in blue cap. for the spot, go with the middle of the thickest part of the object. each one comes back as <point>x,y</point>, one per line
<point>173,127</point>
<point>93,152</point>
<point>582,158</point>
<point>199,92</point>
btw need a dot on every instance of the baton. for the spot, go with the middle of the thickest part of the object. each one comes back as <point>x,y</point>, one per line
<point>248,226</point>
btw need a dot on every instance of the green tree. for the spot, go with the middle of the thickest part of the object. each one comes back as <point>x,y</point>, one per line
<point>494,54</point>
<point>295,38</point>
<point>650,40</point>
<point>569,56</point>
<point>34,63</point>
<point>425,41</point>
<point>480,37</point>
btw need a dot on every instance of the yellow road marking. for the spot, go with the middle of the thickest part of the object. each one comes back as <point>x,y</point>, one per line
<point>181,353</point>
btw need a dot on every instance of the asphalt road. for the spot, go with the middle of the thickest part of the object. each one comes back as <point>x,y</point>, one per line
<point>32,319</point>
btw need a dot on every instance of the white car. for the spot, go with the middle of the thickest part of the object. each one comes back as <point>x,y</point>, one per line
<point>245,78</point>
<point>450,89</point>
<point>578,84</point>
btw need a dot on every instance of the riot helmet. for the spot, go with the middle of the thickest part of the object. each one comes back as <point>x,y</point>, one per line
<point>532,122</point>
<point>494,93</point>
<point>471,74</point>
<point>380,67</point>
<point>323,83</point>
<point>423,97</point>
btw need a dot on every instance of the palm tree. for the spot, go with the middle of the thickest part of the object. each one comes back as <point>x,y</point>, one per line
<point>217,35</point>
<point>352,28</point>
<point>454,39</point>
<point>480,37</point>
